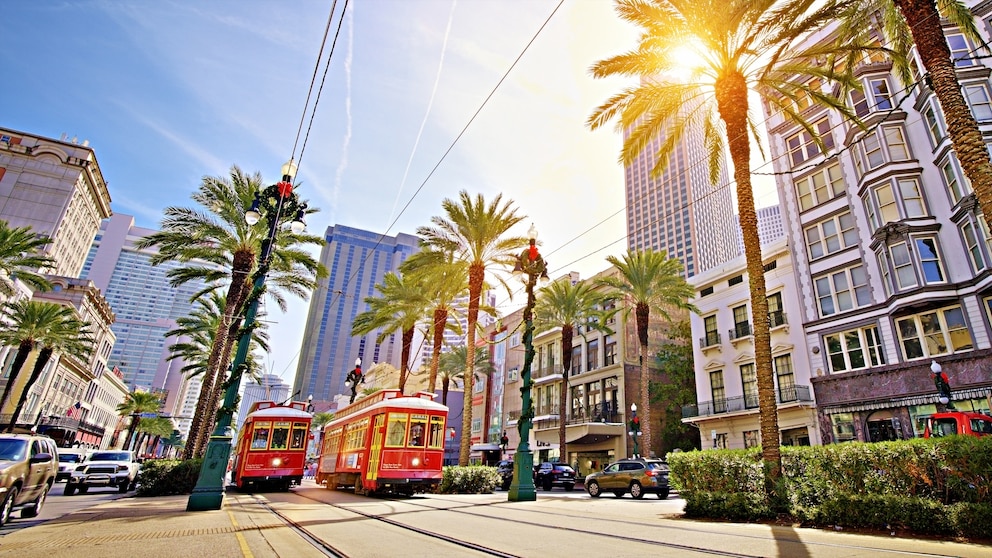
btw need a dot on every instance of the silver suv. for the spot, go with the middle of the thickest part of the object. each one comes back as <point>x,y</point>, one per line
<point>28,465</point>
<point>106,468</point>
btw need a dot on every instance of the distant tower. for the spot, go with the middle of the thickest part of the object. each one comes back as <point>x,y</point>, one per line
<point>357,261</point>
<point>271,388</point>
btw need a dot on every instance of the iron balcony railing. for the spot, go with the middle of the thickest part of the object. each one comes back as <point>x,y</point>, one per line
<point>777,318</point>
<point>788,394</point>
<point>710,339</point>
<point>740,330</point>
<point>545,371</point>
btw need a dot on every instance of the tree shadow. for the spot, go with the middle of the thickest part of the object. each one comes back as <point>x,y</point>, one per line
<point>788,542</point>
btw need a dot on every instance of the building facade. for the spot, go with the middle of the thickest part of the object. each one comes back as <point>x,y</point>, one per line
<point>269,388</point>
<point>357,261</point>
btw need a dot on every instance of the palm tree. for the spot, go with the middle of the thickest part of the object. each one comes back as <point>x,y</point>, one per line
<point>27,325</point>
<point>20,255</point>
<point>562,304</point>
<point>452,368</point>
<point>400,306</point>
<point>921,23</point>
<point>648,281</point>
<point>152,430</point>
<point>475,232</point>
<point>67,335</point>
<point>743,44</point>
<point>136,403</point>
<point>444,280</point>
<point>220,248</point>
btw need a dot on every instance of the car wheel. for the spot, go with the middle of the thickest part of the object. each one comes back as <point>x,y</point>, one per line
<point>7,505</point>
<point>122,488</point>
<point>593,489</point>
<point>569,487</point>
<point>83,489</point>
<point>506,485</point>
<point>33,509</point>
<point>70,489</point>
<point>548,484</point>
<point>636,490</point>
<point>663,494</point>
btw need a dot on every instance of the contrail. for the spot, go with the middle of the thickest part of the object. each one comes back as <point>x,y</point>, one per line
<point>430,103</point>
<point>346,143</point>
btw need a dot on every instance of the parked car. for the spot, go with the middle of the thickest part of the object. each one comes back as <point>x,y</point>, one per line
<point>27,472</point>
<point>69,459</point>
<point>549,475</point>
<point>638,476</point>
<point>115,469</point>
<point>505,470</point>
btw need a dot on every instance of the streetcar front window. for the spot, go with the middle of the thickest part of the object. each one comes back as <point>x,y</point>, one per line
<point>437,433</point>
<point>418,431</point>
<point>260,436</point>
<point>299,435</point>
<point>280,436</point>
<point>396,430</point>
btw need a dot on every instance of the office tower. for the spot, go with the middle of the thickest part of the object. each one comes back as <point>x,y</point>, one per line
<point>56,188</point>
<point>680,211</point>
<point>269,388</point>
<point>770,226</point>
<point>146,307</point>
<point>357,261</point>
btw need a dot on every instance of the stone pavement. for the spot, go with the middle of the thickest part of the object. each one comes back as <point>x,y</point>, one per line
<point>161,528</point>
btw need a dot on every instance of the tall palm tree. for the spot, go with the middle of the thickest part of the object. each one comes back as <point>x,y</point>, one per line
<point>152,430</point>
<point>400,306</point>
<point>21,256</point>
<point>452,368</point>
<point>444,280</point>
<point>476,232</point>
<point>921,24</point>
<point>67,335</point>
<point>648,281</point>
<point>562,304</point>
<point>744,45</point>
<point>135,404</point>
<point>27,325</point>
<point>221,249</point>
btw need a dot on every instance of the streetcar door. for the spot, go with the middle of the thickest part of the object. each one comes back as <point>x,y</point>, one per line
<point>375,450</point>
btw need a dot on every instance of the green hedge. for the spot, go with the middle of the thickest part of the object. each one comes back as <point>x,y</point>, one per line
<point>163,477</point>
<point>935,486</point>
<point>474,479</point>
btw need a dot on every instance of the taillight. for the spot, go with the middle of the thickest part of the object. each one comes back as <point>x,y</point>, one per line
<point>650,472</point>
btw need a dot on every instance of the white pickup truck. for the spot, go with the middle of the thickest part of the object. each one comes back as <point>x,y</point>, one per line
<point>106,468</point>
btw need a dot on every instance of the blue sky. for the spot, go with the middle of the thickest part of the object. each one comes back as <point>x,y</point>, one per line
<point>169,91</point>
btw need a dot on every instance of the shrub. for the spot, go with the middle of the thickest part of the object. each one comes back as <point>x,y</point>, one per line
<point>163,477</point>
<point>876,511</point>
<point>739,506</point>
<point>474,479</point>
<point>971,520</point>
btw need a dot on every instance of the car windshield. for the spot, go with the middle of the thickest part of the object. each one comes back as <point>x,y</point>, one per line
<point>110,456</point>
<point>70,458</point>
<point>12,450</point>
<point>565,468</point>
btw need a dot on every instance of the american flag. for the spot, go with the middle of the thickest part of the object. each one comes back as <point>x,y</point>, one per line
<point>74,410</point>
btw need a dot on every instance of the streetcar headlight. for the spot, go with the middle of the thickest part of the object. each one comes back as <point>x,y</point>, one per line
<point>415,462</point>
<point>276,462</point>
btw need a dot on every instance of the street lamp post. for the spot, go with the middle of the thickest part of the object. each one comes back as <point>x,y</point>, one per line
<point>353,379</point>
<point>531,267</point>
<point>942,384</point>
<point>635,427</point>
<point>208,494</point>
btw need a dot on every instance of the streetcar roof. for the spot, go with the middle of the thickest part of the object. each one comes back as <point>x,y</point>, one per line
<point>285,412</point>
<point>403,403</point>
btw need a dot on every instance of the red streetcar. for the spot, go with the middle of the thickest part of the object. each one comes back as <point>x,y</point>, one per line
<point>272,446</point>
<point>385,443</point>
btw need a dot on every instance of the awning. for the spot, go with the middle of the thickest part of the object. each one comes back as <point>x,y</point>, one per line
<point>485,447</point>
<point>959,395</point>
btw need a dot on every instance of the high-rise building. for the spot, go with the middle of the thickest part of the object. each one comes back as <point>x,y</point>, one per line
<point>357,261</point>
<point>770,226</point>
<point>146,307</point>
<point>681,211</point>
<point>56,188</point>
<point>269,388</point>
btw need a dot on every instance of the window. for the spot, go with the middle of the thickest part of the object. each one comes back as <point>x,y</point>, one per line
<point>576,360</point>
<point>592,354</point>
<point>934,333</point>
<point>843,427</point>
<point>935,127</point>
<point>609,350</point>
<point>436,439</point>
<point>831,235</point>
<point>929,260</point>
<point>736,280</point>
<point>280,436</point>
<point>879,89</point>
<point>843,290</point>
<point>802,146</point>
<point>819,187</point>
<point>978,98</point>
<point>512,375</point>
<point>854,349</point>
<point>751,439</point>
<point>396,430</point>
<point>260,436</point>
<point>711,336</point>
<point>957,186</point>
<point>888,143</point>
<point>960,50</point>
<point>786,377</point>
<point>776,314</point>
<point>749,378</point>
<point>972,244</point>
<point>418,431</point>
<point>908,268</point>
<point>885,204</point>
<point>742,328</point>
<point>299,440</point>
<point>515,340</point>
<point>718,392</point>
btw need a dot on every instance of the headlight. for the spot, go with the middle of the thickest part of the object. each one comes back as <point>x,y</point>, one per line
<point>276,462</point>
<point>121,468</point>
<point>81,469</point>
<point>415,462</point>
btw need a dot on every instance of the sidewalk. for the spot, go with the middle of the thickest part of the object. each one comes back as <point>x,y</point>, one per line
<point>161,527</point>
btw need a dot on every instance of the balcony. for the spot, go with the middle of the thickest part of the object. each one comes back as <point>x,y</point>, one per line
<point>740,331</point>
<point>545,371</point>
<point>711,339</point>
<point>601,412</point>
<point>777,319</point>
<point>789,394</point>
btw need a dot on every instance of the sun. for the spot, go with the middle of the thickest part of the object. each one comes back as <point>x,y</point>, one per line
<point>688,62</point>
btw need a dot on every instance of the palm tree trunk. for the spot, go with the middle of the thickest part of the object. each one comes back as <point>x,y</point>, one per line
<point>39,364</point>
<point>220,385</point>
<point>642,319</point>
<point>445,383</point>
<point>476,276</point>
<point>23,350</point>
<point>407,342</point>
<point>731,95</point>
<point>566,365</point>
<point>925,24</point>
<point>440,322</point>
<point>135,419</point>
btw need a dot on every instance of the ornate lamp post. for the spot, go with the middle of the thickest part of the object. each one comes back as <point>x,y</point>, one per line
<point>275,201</point>
<point>531,267</point>
<point>635,427</point>
<point>942,384</point>
<point>354,378</point>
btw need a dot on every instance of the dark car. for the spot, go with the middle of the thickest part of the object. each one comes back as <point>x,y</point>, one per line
<point>637,476</point>
<point>549,475</point>
<point>505,469</point>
